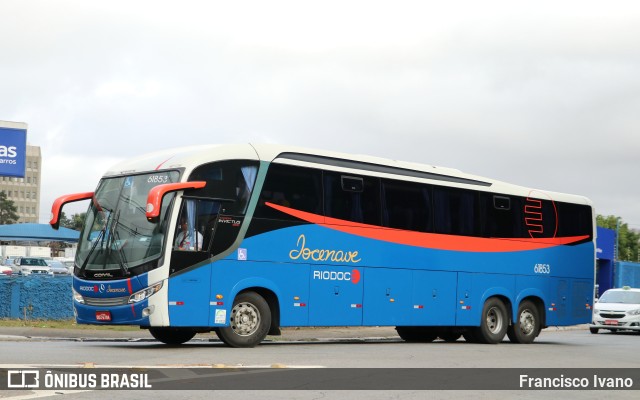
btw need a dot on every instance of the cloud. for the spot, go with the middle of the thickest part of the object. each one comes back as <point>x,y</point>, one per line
<point>542,94</point>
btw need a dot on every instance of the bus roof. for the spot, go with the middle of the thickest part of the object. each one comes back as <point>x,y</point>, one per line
<point>188,158</point>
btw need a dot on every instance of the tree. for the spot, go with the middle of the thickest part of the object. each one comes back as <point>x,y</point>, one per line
<point>7,210</point>
<point>78,221</point>
<point>627,238</point>
<point>75,222</point>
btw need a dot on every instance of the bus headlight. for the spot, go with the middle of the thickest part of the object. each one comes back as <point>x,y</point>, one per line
<point>77,296</point>
<point>145,293</point>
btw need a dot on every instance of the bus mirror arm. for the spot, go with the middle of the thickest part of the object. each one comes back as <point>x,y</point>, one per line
<point>56,208</point>
<point>154,199</point>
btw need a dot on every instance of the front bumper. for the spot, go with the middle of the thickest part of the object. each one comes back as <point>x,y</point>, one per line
<point>622,324</point>
<point>129,314</point>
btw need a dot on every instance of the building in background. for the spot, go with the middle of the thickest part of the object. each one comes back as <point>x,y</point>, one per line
<point>25,192</point>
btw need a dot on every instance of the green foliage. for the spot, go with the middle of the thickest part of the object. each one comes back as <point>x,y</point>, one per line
<point>8,210</point>
<point>627,238</point>
<point>75,222</point>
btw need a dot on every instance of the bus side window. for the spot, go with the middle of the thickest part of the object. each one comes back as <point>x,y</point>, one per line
<point>406,205</point>
<point>196,225</point>
<point>455,211</point>
<point>502,216</point>
<point>293,187</point>
<point>574,220</point>
<point>352,198</point>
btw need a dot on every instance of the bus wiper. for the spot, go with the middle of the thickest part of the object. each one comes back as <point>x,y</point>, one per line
<point>123,259</point>
<point>100,237</point>
<point>115,239</point>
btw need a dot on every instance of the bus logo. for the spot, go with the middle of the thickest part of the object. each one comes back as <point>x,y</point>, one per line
<point>306,253</point>
<point>353,276</point>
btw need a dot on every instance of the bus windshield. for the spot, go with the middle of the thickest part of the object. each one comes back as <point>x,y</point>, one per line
<point>117,234</point>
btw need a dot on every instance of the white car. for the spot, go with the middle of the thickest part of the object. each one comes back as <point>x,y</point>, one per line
<point>33,266</point>
<point>617,310</point>
<point>5,270</point>
<point>57,267</point>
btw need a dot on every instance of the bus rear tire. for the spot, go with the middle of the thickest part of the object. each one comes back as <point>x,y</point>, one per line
<point>249,321</point>
<point>494,322</point>
<point>526,324</point>
<point>172,336</point>
<point>417,334</point>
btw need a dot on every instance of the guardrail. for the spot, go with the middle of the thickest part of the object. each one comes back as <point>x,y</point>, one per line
<point>36,297</point>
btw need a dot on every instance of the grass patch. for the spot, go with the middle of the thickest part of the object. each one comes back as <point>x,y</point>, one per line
<point>62,324</point>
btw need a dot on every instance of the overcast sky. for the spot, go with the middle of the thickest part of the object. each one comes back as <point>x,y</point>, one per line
<point>543,94</point>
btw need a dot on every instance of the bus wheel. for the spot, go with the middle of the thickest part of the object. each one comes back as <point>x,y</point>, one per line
<point>172,335</point>
<point>526,325</point>
<point>493,323</point>
<point>249,321</point>
<point>417,334</point>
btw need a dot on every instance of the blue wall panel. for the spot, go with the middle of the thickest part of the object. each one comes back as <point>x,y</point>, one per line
<point>36,297</point>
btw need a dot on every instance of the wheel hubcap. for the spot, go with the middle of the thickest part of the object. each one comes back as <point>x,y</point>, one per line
<point>527,322</point>
<point>245,319</point>
<point>494,320</point>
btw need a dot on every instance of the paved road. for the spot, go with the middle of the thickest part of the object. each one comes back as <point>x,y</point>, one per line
<point>333,348</point>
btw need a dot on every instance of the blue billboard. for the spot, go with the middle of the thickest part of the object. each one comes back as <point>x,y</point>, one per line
<point>13,148</point>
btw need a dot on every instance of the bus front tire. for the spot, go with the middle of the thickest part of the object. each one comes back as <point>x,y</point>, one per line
<point>249,321</point>
<point>172,336</point>
<point>526,324</point>
<point>494,322</point>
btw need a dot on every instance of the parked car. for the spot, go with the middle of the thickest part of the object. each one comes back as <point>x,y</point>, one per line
<point>57,268</point>
<point>68,262</point>
<point>617,310</point>
<point>32,265</point>
<point>13,264</point>
<point>5,270</point>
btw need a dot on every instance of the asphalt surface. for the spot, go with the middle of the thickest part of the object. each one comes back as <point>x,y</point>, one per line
<point>288,334</point>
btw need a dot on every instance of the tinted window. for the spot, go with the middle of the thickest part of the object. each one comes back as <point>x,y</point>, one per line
<point>230,180</point>
<point>503,216</point>
<point>406,205</point>
<point>455,211</point>
<point>540,218</point>
<point>574,220</point>
<point>352,198</point>
<point>295,187</point>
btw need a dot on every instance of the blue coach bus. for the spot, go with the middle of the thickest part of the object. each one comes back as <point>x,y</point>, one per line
<point>245,239</point>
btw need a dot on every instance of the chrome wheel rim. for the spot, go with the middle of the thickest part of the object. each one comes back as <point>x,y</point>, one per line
<point>527,322</point>
<point>245,319</point>
<point>494,320</point>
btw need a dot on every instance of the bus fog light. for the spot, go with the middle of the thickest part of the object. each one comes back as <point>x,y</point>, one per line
<point>148,311</point>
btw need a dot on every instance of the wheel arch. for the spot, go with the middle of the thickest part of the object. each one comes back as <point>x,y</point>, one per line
<point>536,297</point>
<point>539,303</point>
<point>269,291</point>
<point>503,295</point>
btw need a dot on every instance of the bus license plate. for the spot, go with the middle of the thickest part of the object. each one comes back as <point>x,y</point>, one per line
<point>611,322</point>
<point>103,315</point>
